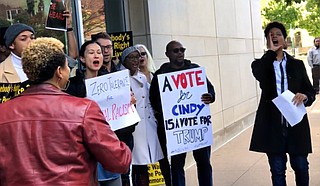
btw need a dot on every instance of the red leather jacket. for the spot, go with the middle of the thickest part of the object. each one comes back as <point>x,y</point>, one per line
<point>48,137</point>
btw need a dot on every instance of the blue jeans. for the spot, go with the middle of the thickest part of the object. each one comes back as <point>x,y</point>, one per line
<point>299,164</point>
<point>204,169</point>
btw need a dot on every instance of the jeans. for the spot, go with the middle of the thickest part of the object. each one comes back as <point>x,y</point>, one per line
<point>204,169</point>
<point>299,164</point>
<point>115,182</point>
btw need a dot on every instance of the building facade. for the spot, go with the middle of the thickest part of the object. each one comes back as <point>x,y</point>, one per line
<point>224,36</point>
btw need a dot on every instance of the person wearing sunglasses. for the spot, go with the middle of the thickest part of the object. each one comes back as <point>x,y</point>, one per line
<point>176,54</point>
<point>147,149</point>
<point>146,65</point>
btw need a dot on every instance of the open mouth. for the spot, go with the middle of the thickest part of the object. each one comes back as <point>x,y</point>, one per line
<point>275,42</point>
<point>96,62</point>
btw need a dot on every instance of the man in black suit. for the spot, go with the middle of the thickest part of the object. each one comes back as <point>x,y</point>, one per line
<point>276,72</point>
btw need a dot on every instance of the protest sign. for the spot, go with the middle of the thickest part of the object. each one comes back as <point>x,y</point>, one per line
<point>112,93</point>
<point>55,19</point>
<point>9,90</point>
<point>187,119</point>
<point>121,41</point>
<point>155,175</point>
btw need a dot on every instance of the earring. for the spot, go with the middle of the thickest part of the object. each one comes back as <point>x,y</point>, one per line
<point>66,85</point>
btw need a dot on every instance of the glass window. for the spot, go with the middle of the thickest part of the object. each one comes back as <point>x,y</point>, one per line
<point>93,17</point>
<point>30,12</point>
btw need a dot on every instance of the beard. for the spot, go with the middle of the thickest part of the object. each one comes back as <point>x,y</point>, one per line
<point>178,63</point>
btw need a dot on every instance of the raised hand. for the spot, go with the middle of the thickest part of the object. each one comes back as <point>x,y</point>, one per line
<point>271,45</point>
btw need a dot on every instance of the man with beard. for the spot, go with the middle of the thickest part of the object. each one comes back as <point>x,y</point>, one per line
<point>175,53</point>
<point>314,62</point>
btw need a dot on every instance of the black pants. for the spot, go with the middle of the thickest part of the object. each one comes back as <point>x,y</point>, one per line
<point>140,175</point>
<point>316,77</point>
<point>128,140</point>
<point>164,163</point>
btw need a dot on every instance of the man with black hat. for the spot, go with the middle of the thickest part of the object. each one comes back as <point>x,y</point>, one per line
<point>17,38</point>
<point>277,71</point>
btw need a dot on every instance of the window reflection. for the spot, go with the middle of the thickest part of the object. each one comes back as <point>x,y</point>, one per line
<point>30,12</point>
<point>93,17</point>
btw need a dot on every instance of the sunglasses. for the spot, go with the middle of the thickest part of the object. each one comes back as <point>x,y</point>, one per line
<point>143,53</point>
<point>133,58</point>
<point>176,50</point>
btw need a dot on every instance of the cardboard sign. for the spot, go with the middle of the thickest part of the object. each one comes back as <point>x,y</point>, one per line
<point>121,41</point>
<point>112,93</point>
<point>187,119</point>
<point>9,90</point>
<point>55,19</point>
<point>155,175</point>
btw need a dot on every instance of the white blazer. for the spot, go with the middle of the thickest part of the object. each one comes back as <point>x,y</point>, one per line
<point>146,148</point>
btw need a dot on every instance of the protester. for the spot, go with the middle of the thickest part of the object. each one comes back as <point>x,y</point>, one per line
<point>146,65</point>
<point>105,177</point>
<point>277,72</point>
<point>175,53</point>
<point>147,149</point>
<point>314,62</point>
<point>148,68</point>
<point>16,38</point>
<point>50,137</point>
<point>91,59</point>
<point>107,49</point>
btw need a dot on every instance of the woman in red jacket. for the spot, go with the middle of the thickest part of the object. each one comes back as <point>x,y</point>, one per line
<point>49,137</point>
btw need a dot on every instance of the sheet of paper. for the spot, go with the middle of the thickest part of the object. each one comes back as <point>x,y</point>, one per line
<point>291,112</point>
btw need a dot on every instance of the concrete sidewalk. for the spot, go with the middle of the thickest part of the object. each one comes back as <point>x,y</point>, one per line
<point>234,165</point>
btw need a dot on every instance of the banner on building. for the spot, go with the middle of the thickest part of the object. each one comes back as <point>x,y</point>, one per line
<point>187,119</point>
<point>112,93</point>
<point>9,90</point>
<point>121,41</point>
<point>55,18</point>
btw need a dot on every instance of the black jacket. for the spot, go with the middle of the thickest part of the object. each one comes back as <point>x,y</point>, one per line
<point>267,135</point>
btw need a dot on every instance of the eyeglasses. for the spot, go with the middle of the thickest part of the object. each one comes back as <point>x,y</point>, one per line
<point>108,47</point>
<point>176,50</point>
<point>143,53</point>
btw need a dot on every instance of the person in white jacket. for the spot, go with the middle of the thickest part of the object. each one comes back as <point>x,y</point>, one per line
<point>146,148</point>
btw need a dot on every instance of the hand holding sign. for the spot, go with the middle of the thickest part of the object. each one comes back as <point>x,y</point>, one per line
<point>187,117</point>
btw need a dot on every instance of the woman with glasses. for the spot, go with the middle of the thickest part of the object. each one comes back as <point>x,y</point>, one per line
<point>147,149</point>
<point>146,65</point>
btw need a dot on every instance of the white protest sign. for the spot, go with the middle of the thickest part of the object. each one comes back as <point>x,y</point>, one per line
<point>187,119</point>
<point>112,93</point>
